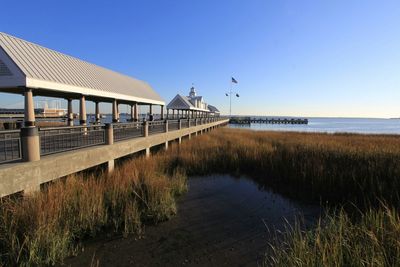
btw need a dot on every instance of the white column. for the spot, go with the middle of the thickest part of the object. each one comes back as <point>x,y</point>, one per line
<point>110,166</point>
<point>70,113</point>
<point>29,108</point>
<point>30,144</point>
<point>132,112</point>
<point>136,112</point>
<point>97,112</point>
<point>82,111</point>
<point>115,114</point>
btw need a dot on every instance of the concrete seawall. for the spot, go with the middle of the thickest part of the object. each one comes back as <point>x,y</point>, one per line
<point>28,176</point>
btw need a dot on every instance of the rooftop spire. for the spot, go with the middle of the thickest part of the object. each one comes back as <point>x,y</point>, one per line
<point>192,92</point>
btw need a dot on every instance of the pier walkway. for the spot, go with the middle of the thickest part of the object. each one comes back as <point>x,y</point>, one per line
<point>67,150</point>
<point>249,120</point>
<point>33,155</point>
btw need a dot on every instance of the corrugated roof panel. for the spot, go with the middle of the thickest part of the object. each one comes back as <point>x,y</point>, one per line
<point>37,60</point>
<point>10,50</point>
<point>40,63</point>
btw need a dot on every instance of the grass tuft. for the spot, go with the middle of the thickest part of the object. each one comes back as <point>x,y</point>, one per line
<point>372,239</point>
<point>334,168</point>
<point>46,227</point>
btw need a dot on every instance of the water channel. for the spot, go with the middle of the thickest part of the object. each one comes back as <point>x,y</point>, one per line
<point>221,221</point>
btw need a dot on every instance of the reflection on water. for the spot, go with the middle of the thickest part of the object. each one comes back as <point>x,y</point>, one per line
<point>221,221</point>
<point>334,125</point>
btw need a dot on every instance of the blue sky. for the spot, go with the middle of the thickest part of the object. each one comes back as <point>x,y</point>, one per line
<point>301,58</point>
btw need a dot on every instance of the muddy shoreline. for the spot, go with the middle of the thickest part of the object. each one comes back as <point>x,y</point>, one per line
<point>221,221</point>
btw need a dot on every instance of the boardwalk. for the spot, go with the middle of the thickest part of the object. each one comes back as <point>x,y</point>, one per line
<point>249,120</point>
<point>67,150</point>
<point>34,155</point>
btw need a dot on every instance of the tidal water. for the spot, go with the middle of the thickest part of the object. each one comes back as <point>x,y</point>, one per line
<point>221,221</point>
<point>334,125</point>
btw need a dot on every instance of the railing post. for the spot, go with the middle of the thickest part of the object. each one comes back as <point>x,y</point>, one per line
<point>109,134</point>
<point>166,126</point>
<point>30,144</point>
<point>179,124</point>
<point>195,121</point>
<point>145,128</point>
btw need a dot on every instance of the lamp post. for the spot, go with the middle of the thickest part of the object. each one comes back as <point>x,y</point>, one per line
<point>233,80</point>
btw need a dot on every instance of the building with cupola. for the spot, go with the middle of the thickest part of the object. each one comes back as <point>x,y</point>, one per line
<point>191,106</point>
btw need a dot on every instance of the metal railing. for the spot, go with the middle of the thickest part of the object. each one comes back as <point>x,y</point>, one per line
<point>173,125</point>
<point>184,123</point>
<point>10,146</point>
<point>59,139</point>
<point>123,131</point>
<point>156,127</point>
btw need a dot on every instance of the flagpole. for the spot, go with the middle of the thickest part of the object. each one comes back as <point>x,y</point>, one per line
<point>230,101</point>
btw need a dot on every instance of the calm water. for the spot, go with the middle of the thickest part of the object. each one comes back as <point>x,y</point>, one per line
<point>221,221</point>
<point>335,125</point>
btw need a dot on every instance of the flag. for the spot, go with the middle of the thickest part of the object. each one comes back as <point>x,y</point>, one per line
<point>233,80</point>
<point>237,95</point>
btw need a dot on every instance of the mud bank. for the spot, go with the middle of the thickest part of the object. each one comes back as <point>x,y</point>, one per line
<point>221,221</point>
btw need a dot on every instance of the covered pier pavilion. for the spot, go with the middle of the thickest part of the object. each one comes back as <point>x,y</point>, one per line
<point>189,107</point>
<point>32,70</point>
<point>34,155</point>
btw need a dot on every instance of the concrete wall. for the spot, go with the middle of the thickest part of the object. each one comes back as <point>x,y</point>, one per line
<point>27,176</point>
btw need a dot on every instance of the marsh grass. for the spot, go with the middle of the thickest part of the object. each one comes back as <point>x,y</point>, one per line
<point>334,169</point>
<point>371,239</point>
<point>357,174</point>
<point>321,167</point>
<point>46,227</point>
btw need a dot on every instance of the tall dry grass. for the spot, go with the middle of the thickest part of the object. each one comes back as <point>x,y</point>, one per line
<point>46,227</point>
<point>372,239</point>
<point>330,167</point>
<point>340,169</point>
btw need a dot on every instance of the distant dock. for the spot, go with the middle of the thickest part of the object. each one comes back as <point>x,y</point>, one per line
<point>249,120</point>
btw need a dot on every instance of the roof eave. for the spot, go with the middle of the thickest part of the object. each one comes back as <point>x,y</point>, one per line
<point>76,90</point>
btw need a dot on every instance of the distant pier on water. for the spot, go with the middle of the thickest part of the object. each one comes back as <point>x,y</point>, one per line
<point>249,120</point>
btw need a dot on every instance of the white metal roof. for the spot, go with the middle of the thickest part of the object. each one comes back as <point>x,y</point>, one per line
<point>213,109</point>
<point>24,64</point>
<point>183,102</point>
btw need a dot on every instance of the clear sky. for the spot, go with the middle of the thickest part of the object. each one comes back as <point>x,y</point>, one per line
<point>290,57</point>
